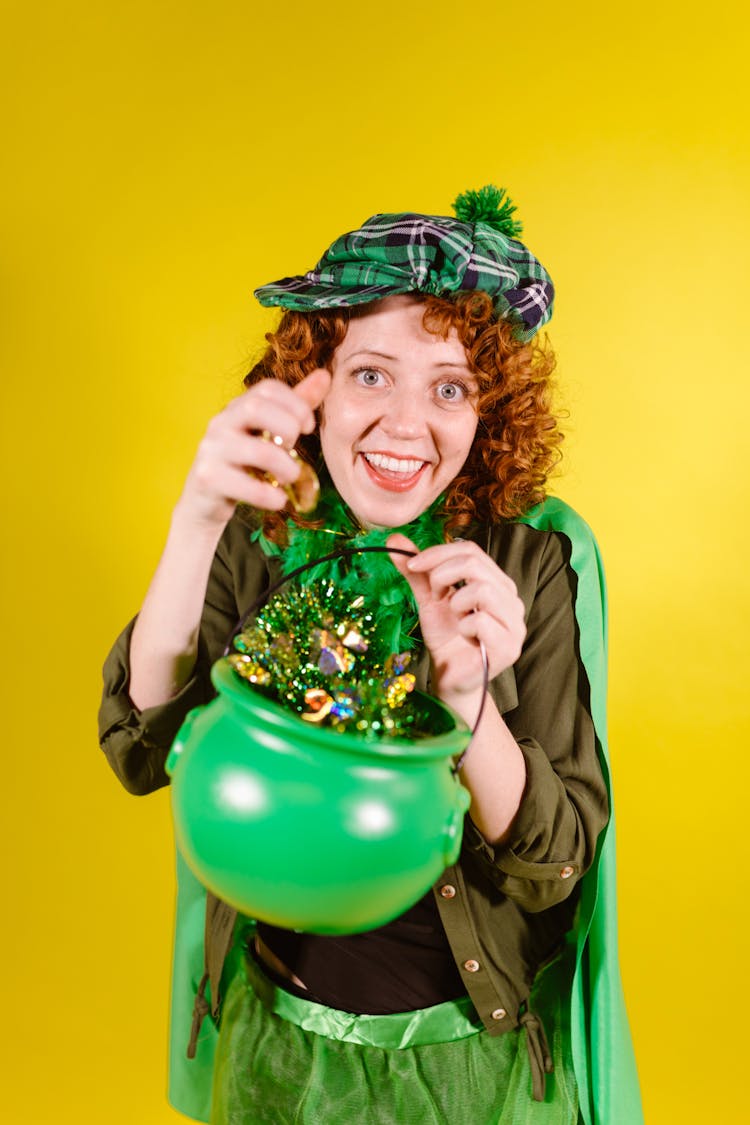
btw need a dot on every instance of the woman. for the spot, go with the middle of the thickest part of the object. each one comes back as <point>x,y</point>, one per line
<point>404,370</point>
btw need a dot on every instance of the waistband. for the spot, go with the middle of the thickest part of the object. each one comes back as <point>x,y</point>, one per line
<point>442,1023</point>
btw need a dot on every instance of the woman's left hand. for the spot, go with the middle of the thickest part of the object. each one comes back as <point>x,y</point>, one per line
<point>463,598</point>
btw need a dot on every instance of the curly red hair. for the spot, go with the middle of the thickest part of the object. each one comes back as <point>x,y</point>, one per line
<point>517,438</point>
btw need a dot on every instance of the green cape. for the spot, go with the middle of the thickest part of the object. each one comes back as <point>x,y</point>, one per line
<point>602,1049</point>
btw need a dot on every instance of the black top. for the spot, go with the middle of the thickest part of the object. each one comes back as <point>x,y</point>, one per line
<point>402,966</point>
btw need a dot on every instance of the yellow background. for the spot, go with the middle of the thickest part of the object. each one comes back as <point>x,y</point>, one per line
<point>162,159</point>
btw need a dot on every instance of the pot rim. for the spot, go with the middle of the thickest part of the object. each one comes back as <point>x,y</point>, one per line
<point>448,744</point>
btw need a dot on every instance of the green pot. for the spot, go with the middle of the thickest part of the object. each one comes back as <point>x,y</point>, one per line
<point>307,828</point>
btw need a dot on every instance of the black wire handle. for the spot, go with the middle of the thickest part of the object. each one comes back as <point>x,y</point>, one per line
<point>347,553</point>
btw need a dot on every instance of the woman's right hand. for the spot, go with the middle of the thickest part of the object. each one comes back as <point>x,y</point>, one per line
<point>233,451</point>
<point>164,642</point>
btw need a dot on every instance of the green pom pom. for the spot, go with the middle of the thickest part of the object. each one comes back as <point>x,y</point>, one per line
<point>489,205</point>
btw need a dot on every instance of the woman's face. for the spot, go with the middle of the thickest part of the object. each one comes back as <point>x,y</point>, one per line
<point>400,417</point>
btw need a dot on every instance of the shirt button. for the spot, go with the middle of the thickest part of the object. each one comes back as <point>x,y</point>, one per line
<point>448,891</point>
<point>471,966</point>
<point>567,871</point>
<point>499,1014</point>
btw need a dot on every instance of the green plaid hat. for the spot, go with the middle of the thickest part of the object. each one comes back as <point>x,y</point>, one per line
<point>409,253</point>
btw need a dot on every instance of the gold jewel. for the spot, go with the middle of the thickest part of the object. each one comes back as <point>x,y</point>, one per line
<point>303,492</point>
<point>275,439</point>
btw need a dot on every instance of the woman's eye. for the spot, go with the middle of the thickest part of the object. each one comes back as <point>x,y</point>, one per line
<point>451,392</point>
<point>368,377</point>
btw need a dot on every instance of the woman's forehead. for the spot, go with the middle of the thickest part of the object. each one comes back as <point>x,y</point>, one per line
<point>395,325</point>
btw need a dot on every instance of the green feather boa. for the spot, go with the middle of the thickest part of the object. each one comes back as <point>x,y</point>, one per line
<point>371,575</point>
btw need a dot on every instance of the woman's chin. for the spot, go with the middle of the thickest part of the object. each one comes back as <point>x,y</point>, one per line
<point>392,510</point>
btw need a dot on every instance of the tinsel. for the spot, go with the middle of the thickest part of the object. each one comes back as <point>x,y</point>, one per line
<point>335,646</point>
<point>388,594</point>
<point>317,650</point>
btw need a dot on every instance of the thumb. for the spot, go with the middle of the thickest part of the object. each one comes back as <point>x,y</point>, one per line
<point>314,387</point>
<point>419,583</point>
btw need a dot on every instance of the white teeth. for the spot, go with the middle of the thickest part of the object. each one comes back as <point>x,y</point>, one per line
<point>393,464</point>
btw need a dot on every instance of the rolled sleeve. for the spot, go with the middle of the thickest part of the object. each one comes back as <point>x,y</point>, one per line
<point>136,743</point>
<point>552,841</point>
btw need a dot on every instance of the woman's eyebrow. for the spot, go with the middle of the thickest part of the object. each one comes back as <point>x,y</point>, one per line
<point>384,355</point>
<point>369,351</point>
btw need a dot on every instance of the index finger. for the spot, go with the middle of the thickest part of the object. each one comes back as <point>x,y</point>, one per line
<point>299,401</point>
<point>441,552</point>
<point>452,564</point>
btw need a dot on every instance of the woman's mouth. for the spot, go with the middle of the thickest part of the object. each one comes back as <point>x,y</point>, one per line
<point>396,474</point>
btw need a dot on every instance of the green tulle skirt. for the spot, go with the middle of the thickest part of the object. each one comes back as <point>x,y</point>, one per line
<point>285,1060</point>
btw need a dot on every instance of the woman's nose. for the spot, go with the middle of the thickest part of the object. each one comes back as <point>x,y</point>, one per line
<point>404,415</point>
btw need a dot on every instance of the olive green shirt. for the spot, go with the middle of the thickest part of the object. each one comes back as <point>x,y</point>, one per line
<point>506,909</point>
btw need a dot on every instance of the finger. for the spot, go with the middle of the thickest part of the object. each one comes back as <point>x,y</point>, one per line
<point>281,422</point>
<point>450,570</point>
<point>460,553</point>
<point>248,451</point>
<point>257,453</point>
<point>458,549</point>
<point>504,606</point>
<point>313,389</point>
<point>503,645</point>
<point>239,486</point>
<point>419,583</point>
<point>400,544</point>
<point>275,406</point>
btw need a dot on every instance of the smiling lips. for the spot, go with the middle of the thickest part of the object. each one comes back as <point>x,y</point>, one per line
<point>396,474</point>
